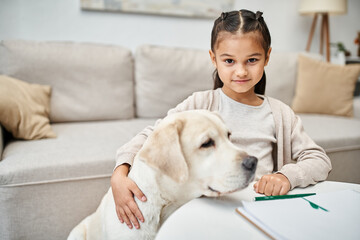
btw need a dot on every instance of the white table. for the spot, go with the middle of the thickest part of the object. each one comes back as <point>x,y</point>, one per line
<point>215,218</point>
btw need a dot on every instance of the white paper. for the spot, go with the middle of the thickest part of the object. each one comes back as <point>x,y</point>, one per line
<point>297,219</point>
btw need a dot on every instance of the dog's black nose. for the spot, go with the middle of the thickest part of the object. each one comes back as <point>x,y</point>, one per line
<point>249,163</point>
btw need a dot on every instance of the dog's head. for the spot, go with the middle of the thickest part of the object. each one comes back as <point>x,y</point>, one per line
<point>194,148</point>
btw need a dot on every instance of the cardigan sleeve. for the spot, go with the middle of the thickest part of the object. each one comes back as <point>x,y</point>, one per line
<point>198,100</point>
<point>127,152</point>
<point>312,164</point>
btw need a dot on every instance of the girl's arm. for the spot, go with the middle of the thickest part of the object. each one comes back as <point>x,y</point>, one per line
<point>126,153</point>
<point>300,160</point>
<point>124,190</point>
<point>312,164</point>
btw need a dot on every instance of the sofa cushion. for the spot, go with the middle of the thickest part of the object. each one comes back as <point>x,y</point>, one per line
<point>333,133</point>
<point>24,109</point>
<point>165,76</point>
<point>89,81</point>
<point>281,75</point>
<point>81,151</point>
<point>325,88</point>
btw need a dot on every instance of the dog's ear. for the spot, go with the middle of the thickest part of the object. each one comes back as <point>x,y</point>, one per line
<point>163,151</point>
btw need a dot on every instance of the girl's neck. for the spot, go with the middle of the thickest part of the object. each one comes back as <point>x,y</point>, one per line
<point>248,98</point>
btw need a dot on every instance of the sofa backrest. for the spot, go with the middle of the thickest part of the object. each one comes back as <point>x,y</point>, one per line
<point>89,81</point>
<point>165,76</point>
<point>96,81</point>
<point>281,73</point>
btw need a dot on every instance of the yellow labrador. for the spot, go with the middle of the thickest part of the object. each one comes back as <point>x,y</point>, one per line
<point>188,155</point>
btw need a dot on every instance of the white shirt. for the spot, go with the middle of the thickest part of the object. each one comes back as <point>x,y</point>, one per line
<point>252,130</point>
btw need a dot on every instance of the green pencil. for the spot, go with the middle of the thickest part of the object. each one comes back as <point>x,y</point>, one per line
<point>283,196</point>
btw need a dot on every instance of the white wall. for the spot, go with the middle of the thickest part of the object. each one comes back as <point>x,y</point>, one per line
<point>64,20</point>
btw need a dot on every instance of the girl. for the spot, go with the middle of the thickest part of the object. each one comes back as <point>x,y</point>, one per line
<point>265,127</point>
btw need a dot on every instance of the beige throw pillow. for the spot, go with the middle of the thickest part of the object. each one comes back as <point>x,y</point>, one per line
<point>24,109</point>
<point>325,88</point>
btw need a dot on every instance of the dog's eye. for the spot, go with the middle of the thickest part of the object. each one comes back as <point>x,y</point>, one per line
<point>208,143</point>
<point>229,134</point>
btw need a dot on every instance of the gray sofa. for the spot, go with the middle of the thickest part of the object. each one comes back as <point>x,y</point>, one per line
<point>102,96</point>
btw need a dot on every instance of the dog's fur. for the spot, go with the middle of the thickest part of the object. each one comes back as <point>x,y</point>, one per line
<point>188,155</point>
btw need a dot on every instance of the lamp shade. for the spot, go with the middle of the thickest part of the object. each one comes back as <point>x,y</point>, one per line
<point>323,6</point>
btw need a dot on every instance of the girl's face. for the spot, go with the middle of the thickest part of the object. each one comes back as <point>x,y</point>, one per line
<point>240,61</point>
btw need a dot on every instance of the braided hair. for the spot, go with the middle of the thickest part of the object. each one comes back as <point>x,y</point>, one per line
<point>244,21</point>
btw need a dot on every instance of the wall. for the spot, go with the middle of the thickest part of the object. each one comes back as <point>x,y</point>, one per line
<point>64,20</point>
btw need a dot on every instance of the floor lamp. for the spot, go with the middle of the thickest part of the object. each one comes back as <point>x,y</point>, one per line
<point>322,8</point>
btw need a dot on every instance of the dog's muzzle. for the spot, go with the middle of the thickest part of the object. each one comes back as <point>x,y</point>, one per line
<point>249,163</point>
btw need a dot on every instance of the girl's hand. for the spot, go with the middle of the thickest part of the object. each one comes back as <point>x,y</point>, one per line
<point>124,189</point>
<point>272,184</point>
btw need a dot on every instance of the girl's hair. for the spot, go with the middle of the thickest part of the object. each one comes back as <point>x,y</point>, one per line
<point>244,21</point>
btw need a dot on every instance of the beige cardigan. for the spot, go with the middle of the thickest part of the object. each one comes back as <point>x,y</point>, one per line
<point>295,155</point>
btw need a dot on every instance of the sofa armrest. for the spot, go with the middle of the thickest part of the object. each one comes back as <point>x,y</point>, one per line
<point>357,107</point>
